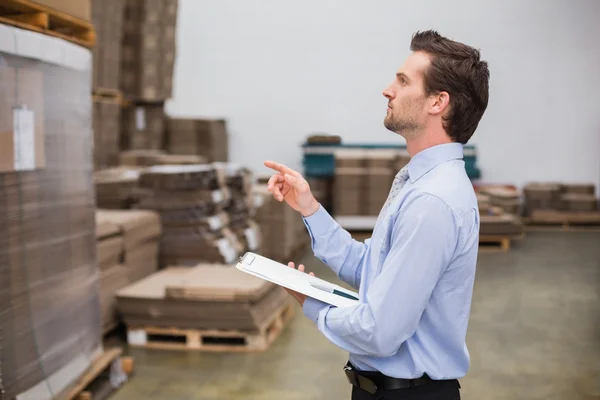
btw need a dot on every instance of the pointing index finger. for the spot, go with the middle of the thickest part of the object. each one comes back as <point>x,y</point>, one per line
<point>281,168</point>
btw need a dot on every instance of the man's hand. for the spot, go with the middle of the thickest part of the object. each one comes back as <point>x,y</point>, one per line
<point>298,296</point>
<point>291,186</point>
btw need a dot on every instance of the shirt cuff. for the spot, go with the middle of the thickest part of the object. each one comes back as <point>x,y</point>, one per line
<point>320,223</point>
<point>312,308</point>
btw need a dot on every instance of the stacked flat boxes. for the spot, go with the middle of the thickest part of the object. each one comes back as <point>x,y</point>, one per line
<point>349,191</point>
<point>143,127</point>
<point>106,116</point>
<point>363,179</point>
<point>107,16</point>
<point>555,202</point>
<point>148,49</point>
<point>147,63</point>
<point>205,137</point>
<point>127,251</point>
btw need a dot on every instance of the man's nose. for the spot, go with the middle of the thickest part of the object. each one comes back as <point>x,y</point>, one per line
<point>388,93</point>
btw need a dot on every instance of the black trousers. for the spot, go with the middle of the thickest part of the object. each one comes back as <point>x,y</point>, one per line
<point>435,390</point>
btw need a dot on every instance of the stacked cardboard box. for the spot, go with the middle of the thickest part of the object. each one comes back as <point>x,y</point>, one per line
<point>143,127</point>
<point>49,324</point>
<point>107,16</point>
<point>148,158</point>
<point>205,137</point>
<point>322,189</point>
<point>191,200</point>
<point>148,49</point>
<point>507,199</point>
<point>561,203</point>
<point>206,297</point>
<point>116,187</point>
<point>349,191</point>
<point>380,176</point>
<point>127,251</point>
<point>106,123</point>
<point>541,196</point>
<point>363,179</point>
<point>284,235</point>
<point>495,221</point>
<point>578,197</point>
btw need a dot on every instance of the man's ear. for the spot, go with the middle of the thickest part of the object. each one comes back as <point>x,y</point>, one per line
<point>441,102</point>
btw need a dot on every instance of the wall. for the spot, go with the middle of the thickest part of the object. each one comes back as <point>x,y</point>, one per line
<point>281,70</point>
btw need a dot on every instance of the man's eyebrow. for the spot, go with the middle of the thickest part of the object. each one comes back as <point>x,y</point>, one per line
<point>402,75</point>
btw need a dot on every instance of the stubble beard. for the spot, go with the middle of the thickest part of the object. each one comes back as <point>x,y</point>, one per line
<point>405,127</point>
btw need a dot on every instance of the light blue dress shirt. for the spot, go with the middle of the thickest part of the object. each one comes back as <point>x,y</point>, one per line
<point>414,275</point>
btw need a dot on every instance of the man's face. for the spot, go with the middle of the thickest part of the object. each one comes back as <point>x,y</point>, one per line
<point>407,105</point>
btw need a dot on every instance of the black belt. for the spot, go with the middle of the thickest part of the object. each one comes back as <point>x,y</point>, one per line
<point>371,381</point>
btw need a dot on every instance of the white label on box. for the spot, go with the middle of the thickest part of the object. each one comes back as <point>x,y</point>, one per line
<point>217,196</point>
<point>252,239</point>
<point>137,337</point>
<point>227,251</point>
<point>259,200</point>
<point>24,139</point>
<point>215,222</point>
<point>140,118</point>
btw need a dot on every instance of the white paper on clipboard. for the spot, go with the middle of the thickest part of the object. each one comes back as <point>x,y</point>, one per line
<point>282,275</point>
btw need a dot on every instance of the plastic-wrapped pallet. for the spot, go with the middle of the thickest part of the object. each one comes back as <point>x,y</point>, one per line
<point>50,325</point>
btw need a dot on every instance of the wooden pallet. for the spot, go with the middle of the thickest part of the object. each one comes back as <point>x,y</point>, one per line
<point>28,15</point>
<point>496,242</point>
<point>212,340</point>
<point>560,226</point>
<point>97,377</point>
<point>106,94</point>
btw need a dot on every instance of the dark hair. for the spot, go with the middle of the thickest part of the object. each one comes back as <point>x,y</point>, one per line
<point>455,68</point>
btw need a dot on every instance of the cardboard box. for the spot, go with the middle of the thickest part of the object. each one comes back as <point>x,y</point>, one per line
<point>378,184</point>
<point>205,137</point>
<point>76,8</point>
<point>106,123</point>
<point>143,127</point>
<point>148,49</point>
<point>201,297</point>
<point>578,202</point>
<point>107,16</point>
<point>349,191</point>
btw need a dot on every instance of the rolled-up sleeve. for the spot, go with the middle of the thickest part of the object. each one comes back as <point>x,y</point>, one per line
<point>422,244</point>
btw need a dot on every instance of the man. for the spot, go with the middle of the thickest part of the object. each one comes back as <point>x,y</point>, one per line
<point>406,337</point>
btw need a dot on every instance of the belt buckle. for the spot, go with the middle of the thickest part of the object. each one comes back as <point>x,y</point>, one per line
<point>360,381</point>
<point>351,375</point>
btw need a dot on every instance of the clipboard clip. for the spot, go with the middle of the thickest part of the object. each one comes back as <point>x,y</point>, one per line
<point>247,259</point>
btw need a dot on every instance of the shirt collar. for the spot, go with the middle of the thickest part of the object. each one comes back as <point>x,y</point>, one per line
<point>427,159</point>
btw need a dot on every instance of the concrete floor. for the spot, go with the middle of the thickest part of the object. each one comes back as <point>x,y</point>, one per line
<point>533,334</point>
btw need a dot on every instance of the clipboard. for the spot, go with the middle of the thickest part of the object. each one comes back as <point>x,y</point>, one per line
<point>291,278</point>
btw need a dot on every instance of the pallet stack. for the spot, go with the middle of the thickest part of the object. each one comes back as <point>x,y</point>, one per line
<point>206,307</point>
<point>50,325</point>
<point>107,16</point>
<point>195,207</point>
<point>204,137</point>
<point>147,63</point>
<point>363,179</point>
<point>561,204</point>
<point>127,251</point>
